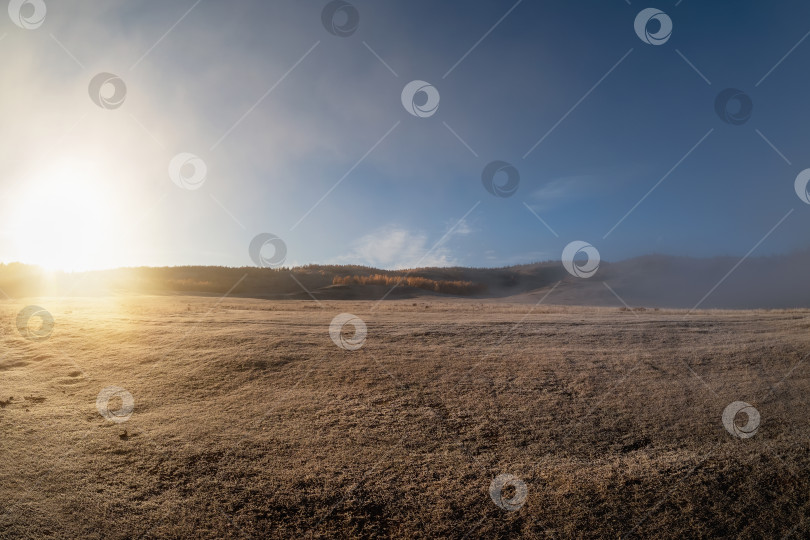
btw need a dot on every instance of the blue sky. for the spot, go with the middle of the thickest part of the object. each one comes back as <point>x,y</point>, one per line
<point>280,110</point>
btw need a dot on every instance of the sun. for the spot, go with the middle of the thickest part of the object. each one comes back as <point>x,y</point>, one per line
<point>62,218</point>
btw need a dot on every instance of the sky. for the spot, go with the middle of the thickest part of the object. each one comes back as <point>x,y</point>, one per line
<point>173,133</point>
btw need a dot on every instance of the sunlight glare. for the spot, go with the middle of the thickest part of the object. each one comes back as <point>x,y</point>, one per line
<point>62,218</point>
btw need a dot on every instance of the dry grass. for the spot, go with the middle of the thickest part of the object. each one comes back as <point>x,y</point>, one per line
<point>250,422</point>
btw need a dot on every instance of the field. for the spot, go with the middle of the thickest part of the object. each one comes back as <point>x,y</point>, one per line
<point>247,420</point>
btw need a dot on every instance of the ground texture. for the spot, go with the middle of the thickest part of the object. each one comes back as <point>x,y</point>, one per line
<point>249,421</point>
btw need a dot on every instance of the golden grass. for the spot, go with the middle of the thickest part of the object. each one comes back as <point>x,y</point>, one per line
<point>250,422</point>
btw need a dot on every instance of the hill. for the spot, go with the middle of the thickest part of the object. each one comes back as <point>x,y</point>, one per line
<point>648,281</point>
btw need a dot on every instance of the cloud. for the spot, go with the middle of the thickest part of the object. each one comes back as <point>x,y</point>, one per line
<point>568,188</point>
<point>462,228</point>
<point>396,248</point>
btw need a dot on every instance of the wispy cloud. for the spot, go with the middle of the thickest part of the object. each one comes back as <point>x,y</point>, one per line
<point>395,247</point>
<point>566,189</point>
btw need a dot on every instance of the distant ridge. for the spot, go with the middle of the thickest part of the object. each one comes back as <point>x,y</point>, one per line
<point>647,281</point>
